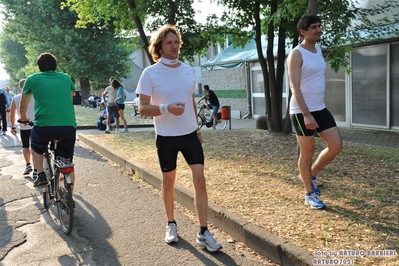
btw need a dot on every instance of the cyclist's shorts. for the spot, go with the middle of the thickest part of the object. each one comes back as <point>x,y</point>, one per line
<point>215,109</point>
<point>41,136</point>
<point>324,119</point>
<point>168,148</point>
<point>25,137</point>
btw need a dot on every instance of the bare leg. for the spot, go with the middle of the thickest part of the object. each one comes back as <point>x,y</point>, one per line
<point>333,140</point>
<point>306,144</point>
<point>38,161</point>
<point>122,115</point>
<point>26,154</point>
<point>201,195</point>
<point>168,183</point>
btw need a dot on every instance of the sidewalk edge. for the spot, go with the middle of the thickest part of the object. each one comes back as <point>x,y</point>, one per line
<point>255,237</point>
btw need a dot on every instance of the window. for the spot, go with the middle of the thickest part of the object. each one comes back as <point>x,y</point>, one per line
<point>369,85</point>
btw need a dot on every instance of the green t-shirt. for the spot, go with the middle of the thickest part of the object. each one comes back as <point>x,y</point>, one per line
<point>53,98</point>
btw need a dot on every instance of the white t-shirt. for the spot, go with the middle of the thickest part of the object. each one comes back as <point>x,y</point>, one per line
<point>312,81</point>
<point>168,85</point>
<point>29,113</point>
<point>111,95</point>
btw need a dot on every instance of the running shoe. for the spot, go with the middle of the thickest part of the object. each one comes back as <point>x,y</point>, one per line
<point>207,240</point>
<point>4,133</point>
<point>28,169</point>
<point>171,233</point>
<point>124,130</point>
<point>313,201</point>
<point>34,175</point>
<point>316,189</point>
<point>40,180</point>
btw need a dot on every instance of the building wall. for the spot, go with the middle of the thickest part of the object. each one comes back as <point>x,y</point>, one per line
<point>231,87</point>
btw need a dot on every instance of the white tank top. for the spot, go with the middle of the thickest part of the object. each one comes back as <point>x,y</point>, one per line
<point>312,83</point>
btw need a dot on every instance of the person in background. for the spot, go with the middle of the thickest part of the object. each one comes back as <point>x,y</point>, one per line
<point>54,119</point>
<point>308,112</point>
<point>120,102</point>
<point>136,103</point>
<point>167,93</point>
<point>112,108</point>
<point>24,130</point>
<point>10,95</point>
<point>4,108</point>
<point>213,103</point>
<point>102,118</point>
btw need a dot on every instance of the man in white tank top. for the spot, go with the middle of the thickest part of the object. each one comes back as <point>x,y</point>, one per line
<point>24,130</point>
<point>166,92</point>
<point>306,68</point>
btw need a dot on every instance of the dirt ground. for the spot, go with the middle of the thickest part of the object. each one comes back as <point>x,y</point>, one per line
<point>254,174</point>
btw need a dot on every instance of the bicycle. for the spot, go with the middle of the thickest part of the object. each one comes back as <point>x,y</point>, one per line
<point>58,190</point>
<point>202,119</point>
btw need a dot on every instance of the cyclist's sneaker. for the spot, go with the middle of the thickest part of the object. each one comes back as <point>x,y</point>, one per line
<point>34,175</point>
<point>28,169</point>
<point>207,240</point>
<point>124,130</point>
<point>316,189</point>
<point>40,180</point>
<point>313,201</point>
<point>171,233</point>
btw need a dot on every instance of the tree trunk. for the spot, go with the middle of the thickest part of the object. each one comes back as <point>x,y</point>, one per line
<point>287,127</point>
<point>262,61</point>
<point>140,28</point>
<point>312,7</point>
<point>85,89</point>
<point>280,73</point>
<point>274,123</point>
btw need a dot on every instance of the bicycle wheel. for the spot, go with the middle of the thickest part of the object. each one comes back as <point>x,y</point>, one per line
<point>65,206</point>
<point>201,121</point>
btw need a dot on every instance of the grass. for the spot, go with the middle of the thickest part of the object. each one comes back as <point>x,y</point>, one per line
<point>254,174</point>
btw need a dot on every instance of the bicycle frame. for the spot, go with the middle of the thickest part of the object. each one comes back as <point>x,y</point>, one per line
<point>58,170</point>
<point>202,120</point>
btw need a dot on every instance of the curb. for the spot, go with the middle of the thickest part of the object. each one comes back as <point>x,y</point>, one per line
<point>265,243</point>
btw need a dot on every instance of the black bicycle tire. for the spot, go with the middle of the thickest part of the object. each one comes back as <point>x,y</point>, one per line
<point>201,121</point>
<point>68,226</point>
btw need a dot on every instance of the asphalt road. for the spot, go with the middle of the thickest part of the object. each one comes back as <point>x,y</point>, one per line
<point>118,221</point>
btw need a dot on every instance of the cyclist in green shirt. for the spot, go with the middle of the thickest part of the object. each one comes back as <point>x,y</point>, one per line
<point>54,112</point>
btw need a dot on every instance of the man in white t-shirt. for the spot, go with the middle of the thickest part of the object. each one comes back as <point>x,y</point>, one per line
<point>167,93</point>
<point>306,67</point>
<point>24,130</point>
<point>112,108</point>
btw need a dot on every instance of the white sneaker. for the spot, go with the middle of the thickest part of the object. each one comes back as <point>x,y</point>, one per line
<point>171,233</point>
<point>207,240</point>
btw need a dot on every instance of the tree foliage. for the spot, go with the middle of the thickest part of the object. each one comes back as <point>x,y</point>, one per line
<point>89,55</point>
<point>147,17</point>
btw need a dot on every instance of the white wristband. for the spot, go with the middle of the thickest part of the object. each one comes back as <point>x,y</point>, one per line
<point>163,108</point>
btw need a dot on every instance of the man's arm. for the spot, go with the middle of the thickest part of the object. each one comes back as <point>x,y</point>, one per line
<point>23,106</point>
<point>147,109</point>
<point>294,72</point>
<point>13,109</point>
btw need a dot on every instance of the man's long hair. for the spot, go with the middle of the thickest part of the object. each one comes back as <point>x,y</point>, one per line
<point>156,40</point>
